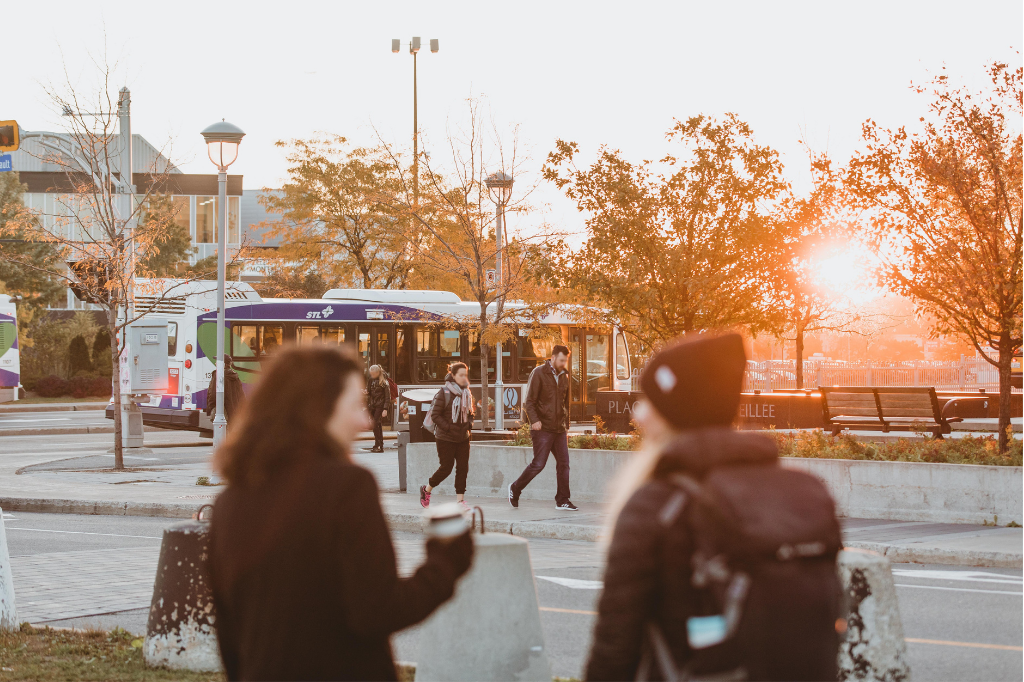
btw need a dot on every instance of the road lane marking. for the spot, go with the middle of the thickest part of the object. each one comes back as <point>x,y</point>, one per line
<point>964,576</point>
<point>573,583</point>
<point>958,589</point>
<point>582,613</point>
<point>81,532</point>
<point>973,645</point>
<point>40,419</point>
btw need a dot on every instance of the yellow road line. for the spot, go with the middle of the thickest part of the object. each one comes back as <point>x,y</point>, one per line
<point>582,613</point>
<point>973,645</point>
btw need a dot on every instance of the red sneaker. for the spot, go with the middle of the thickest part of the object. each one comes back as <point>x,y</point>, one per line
<point>424,496</point>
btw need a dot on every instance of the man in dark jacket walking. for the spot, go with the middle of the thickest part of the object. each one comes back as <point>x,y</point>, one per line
<point>547,408</point>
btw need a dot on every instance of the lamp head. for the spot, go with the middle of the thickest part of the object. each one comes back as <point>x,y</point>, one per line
<point>414,46</point>
<point>222,140</point>
<point>500,187</point>
<point>396,45</point>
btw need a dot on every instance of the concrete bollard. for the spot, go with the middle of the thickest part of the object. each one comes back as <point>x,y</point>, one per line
<point>180,633</point>
<point>8,607</point>
<point>873,648</point>
<point>490,630</point>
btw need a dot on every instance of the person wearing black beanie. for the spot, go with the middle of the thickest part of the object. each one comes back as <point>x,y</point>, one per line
<point>691,508</point>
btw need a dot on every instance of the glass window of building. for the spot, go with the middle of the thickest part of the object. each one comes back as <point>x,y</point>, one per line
<point>182,207</point>
<point>621,357</point>
<point>233,220</point>
<point>206,220</point>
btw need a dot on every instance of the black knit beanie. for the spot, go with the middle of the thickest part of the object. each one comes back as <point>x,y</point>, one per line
<point>697,381</point>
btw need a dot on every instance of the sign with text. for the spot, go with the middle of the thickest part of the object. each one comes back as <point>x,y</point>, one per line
<point>5,163</point>
<point>10,136</point>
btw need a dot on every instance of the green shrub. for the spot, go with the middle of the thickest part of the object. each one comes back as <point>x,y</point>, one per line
<point>78,356</point>
<point>968,450</point>
<point>101,353</point>
<point>52,386</point>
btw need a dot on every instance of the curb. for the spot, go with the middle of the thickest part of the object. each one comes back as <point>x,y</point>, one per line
<point>57,431</point>
<point>403,521</point>
<point>908,554</point>
<point>52,407</point>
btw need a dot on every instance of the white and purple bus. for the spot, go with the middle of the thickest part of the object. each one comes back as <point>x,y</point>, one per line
<point>10,365</point>
<point>403,331</point>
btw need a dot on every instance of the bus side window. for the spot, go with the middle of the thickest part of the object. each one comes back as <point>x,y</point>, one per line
<point>172,339</point>
<point>271,338</point>
<point>245,340</point>
<point>307,335</point>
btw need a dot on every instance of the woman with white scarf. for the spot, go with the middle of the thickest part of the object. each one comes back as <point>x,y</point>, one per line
<point>452,414</point>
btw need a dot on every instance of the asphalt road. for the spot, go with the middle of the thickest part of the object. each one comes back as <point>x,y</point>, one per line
<point>960,624</point>
<point>46,420</point>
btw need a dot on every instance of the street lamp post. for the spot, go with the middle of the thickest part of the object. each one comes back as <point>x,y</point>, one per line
<point>414,48</point>
<point>500,187</point>
<point>222,140</point>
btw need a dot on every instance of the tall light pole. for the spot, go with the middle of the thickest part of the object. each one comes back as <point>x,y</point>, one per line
<point>414,48</point>
<point>222,140</point>
<point>499,185</point>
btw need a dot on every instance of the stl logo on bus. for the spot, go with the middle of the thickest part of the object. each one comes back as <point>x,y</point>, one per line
<point>320,314</point>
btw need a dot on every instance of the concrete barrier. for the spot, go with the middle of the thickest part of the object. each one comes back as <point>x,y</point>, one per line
<point>873,647</point>
<point>903,491</point>
<point>180,632</point>
<point>8,606</point>
<point>490,629</point>
<point>916,491</point>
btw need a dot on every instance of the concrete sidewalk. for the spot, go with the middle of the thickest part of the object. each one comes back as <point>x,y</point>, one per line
<point>50,482</point>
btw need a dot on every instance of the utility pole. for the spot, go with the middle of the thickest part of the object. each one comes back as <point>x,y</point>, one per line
<point>414,48</point>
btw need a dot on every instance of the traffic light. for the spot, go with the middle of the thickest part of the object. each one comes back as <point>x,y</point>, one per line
<point>9,136</point>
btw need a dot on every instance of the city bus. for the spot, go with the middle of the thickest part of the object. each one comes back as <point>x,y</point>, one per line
<point>10,372</point>
<point>412,334</point>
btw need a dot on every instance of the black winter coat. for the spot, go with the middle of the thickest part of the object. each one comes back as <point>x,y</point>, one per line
<point>304,577</point>
<point>441,414</point>
<point>378,397</point>
<point>233,393</point>
<point>547,398</point>
<point>647,577</point>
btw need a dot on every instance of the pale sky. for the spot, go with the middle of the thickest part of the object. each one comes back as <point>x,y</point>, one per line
<point>593,72</point>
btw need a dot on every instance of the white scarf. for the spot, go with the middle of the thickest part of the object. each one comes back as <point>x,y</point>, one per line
<point>462,403</point>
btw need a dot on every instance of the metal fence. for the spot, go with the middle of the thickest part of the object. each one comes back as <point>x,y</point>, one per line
<point>970,374</point>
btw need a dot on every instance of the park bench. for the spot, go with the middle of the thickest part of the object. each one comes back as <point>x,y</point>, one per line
<point>889,409</point>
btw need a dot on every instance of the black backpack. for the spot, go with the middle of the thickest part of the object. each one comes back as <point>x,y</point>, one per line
<point>766,594</point>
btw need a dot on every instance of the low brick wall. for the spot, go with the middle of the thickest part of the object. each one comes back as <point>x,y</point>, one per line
<point>904,491</point>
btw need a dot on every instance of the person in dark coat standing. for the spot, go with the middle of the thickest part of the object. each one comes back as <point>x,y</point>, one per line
<point>301,564</point>
<point>452,414</point>
<point>547,407</point>
<point>378,400</point>
<point>692,395</point>
<point>233,392</point>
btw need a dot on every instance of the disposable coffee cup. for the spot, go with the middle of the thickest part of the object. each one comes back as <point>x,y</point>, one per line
<point>446,521</point>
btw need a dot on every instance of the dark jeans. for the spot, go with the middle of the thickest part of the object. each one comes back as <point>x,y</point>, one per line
<point>378,432</point>
<point>452,454</point>
<point>545,442</point>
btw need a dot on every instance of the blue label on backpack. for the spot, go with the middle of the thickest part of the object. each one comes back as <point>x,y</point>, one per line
<point>705,631</point>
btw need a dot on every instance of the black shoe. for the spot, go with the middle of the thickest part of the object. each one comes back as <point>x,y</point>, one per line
<point>513,497</point>
<point>567,506</point>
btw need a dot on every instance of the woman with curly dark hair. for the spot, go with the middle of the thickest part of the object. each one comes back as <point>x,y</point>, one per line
<point>301,562</point>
